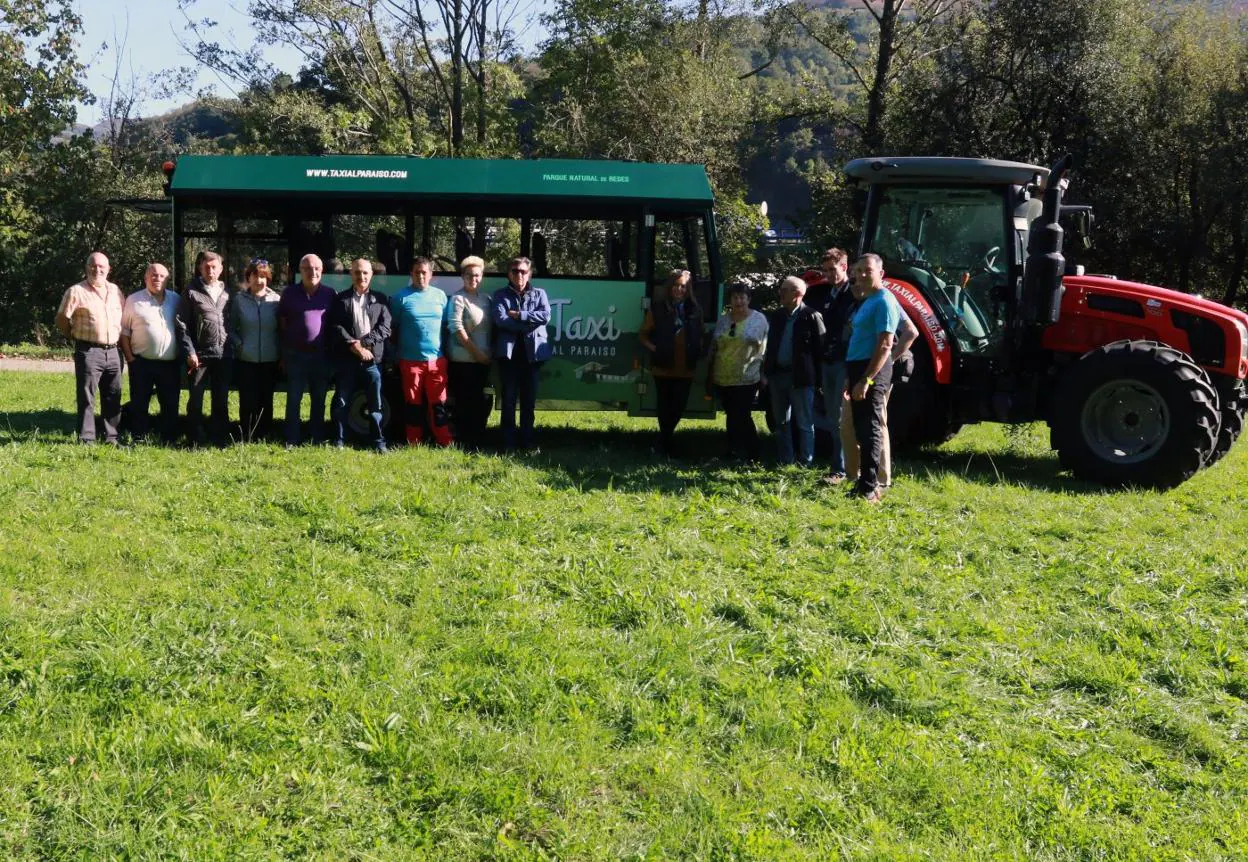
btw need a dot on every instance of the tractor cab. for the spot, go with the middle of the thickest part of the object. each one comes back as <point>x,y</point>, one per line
<point>956,231</point>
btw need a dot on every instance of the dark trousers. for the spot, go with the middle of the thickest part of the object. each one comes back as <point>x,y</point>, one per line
<point>868,416</point>
<point>165,376</point>
<point>256,384</point>
<point>519,386</point>
<point>306,372</point>
<point>671,394</point>
<point>738,404</point>
<point>350,376</point>
<point>213,376</point>
<point>467,389</point>
<point>98,368</point>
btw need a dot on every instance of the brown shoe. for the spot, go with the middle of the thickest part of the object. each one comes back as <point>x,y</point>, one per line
<point>874,496</point>
<point>833,479</point>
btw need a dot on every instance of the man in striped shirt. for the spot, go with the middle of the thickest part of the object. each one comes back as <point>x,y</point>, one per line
<point>90,316</point>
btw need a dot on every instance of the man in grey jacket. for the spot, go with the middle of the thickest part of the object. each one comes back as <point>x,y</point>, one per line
<point>202,320</point>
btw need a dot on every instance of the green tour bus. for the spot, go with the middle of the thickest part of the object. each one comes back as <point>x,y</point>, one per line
<point>602,236</point>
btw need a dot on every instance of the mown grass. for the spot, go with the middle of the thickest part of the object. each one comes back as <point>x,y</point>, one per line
<point>587,655</point>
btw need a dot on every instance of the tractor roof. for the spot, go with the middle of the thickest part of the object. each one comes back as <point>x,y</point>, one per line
<point>907,169</point>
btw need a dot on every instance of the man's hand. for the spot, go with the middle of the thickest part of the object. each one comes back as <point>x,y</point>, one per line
<point>859,392</point>
<point>513,314</point>
<point>192,362</point>
<point>365,354</point>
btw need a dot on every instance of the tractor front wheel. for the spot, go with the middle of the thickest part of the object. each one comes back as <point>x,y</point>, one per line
<point>1135,413</point>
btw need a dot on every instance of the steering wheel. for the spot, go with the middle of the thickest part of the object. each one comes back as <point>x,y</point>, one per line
<point>990,258</point>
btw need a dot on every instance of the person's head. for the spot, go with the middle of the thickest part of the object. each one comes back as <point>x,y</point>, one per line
<point>676,285</point>
<point>739,298</point>
<point>154,278</point>
<point>361,274</point>
<point>422,273</point>
<point>257,275</point>
<point>310,270</point>
<point>835,265</point>
<point>209,266</point>
<point>792,289</point>
<point>868,275</point>
<point>518,269</point>
<point>471,269</point>
<point>97,268</point>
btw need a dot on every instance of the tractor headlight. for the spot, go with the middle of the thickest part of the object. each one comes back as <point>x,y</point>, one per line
<point>1243,339</point>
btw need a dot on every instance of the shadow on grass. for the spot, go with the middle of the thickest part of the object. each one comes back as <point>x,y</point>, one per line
<point>29,426</point>
<point>623,460</point>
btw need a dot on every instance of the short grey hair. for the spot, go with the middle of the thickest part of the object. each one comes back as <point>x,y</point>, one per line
<point>796,282</point>
<point>872,257</point>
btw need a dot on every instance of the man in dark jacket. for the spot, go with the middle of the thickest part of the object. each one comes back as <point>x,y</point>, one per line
<point>791,370</point>
<point>836,310</point>
<point>359,324</point>
<point>204,343</point>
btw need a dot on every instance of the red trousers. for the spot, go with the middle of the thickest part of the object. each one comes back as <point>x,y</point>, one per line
<point>424,389</point>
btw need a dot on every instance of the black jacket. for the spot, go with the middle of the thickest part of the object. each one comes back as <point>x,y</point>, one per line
<point>837,310</point>
<point>202,324</point>
<point>341,323</point>
<point>808,335</point>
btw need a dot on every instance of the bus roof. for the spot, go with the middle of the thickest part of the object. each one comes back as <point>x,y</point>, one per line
<point>890,170</point>
<point>391,177</point>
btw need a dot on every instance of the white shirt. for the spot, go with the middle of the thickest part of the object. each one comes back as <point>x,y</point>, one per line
<point>215,290</point>
<point>149,325</point>
<point>359,311</point>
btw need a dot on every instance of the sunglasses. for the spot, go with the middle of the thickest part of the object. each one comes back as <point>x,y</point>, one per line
<point>732,331</point>
<point>519,271</point>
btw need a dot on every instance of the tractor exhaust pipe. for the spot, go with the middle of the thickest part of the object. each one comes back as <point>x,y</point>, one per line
<point>1042,277</point>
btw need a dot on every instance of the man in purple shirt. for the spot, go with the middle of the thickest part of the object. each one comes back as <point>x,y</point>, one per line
<point>300,320</point>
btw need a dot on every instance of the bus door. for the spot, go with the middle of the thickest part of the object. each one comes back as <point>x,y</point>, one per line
<point>681,243</point>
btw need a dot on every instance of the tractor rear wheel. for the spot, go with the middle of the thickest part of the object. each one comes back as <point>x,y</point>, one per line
<point>1135,413</point>
<point>918,413</point>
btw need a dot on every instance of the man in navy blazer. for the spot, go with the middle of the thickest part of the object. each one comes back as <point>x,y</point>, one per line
<point>520,313</point>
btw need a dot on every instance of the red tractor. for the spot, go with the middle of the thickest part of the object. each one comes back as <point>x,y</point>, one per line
<point>1139,385</point>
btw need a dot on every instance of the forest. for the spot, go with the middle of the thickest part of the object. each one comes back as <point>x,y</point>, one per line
<point>1151,98</point>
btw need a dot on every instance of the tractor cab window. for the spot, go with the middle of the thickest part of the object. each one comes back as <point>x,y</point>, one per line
<point>952,244</point>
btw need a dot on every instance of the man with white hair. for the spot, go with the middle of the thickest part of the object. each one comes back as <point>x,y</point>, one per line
<point>301,321</point>
<point>90,316</point>
<point>149,341</point>
<point>791,369</point>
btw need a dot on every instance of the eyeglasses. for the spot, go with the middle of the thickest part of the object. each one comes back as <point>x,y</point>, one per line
<point>519,271</point>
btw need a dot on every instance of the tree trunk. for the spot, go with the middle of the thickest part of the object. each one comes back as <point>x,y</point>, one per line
<point>1239,251</point>
<point>873,133</point>
<point>457,77</point>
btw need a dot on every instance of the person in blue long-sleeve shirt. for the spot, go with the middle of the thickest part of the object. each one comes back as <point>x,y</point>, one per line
<point>520,313</point>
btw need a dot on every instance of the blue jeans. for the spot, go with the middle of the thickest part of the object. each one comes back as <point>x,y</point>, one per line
<point>833,402</point>
<point>306,372</point>
<point>799,402</point>
<point>350,376</point>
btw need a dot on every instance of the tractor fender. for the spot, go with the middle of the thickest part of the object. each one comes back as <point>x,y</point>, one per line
<point>929,326</point>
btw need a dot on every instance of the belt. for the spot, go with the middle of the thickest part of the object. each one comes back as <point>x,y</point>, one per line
<point>81,343</point>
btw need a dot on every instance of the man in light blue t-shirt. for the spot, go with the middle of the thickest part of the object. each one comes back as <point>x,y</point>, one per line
<point>417,312</point>
<point>869,367</point>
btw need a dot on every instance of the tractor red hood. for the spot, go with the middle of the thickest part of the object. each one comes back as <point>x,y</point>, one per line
<point>1077,287</point>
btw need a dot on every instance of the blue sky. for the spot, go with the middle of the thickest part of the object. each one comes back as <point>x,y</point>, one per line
<point>150,31</point>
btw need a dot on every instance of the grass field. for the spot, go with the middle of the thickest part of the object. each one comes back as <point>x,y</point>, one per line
<point>256,653</point>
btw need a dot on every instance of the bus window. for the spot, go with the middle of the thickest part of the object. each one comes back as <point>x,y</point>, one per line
<point>376,238</point>
<point>585,248</point>
<point>502,243</point>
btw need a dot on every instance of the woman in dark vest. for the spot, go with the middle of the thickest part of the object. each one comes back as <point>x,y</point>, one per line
<point>672,332</point>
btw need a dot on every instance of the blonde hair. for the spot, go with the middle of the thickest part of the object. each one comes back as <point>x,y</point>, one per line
<point>471,260</point>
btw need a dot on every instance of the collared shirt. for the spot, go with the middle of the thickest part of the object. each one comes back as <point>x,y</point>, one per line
<point>304,316</point>
<point>149,324</point>
<point>784,353</point>
<point>359,313</point>
<point>93,315</point>
<point>215,289</point>
<point>878,314</point>
<point>418,316</point>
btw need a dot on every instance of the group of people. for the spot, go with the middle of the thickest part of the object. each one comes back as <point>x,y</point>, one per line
<point>248,335</point>
<point>845,345</point>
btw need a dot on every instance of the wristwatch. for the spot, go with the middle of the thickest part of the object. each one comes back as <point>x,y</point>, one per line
<point>870,381</point>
